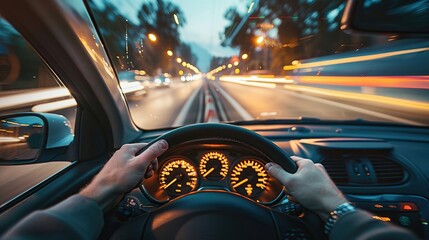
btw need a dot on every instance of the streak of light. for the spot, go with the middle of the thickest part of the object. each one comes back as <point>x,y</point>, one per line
<point>250,7</point>
<point>53,106</point>
<point>9,140</point>
<point>421,82</point>
<point>128,87</point>
<point>362,97</point>
<point>351,59</point>
<point>31,97</point>
<point>254,78</point>
<point>255,84</point>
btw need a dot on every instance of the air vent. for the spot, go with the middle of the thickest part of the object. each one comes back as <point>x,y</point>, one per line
<point>336,168</point>
<point>386,170</point>
<point>363,170</point>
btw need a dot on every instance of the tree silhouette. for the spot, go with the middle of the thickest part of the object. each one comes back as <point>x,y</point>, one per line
<point>304,29</point>
<point>158,18</point>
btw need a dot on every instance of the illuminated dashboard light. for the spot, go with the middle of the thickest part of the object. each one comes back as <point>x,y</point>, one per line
<point>384,219</point>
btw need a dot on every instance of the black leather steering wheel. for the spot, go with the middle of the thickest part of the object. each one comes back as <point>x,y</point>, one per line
<point>215,214</point>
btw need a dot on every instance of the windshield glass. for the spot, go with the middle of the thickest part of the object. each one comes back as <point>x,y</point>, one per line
<point>187,61</point>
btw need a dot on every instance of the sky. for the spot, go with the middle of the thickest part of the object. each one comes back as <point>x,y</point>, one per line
<point>204,20</point>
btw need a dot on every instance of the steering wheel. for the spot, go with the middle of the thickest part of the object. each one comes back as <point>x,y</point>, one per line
<point>215,214</point>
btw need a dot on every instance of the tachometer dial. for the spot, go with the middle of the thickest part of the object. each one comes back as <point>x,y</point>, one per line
<point>249,178</point>
<point>214,166</point>
<point>178,176</point>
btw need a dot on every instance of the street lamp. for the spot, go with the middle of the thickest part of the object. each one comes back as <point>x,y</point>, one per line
<point>178,60</point>
<point>244,56</point>
<point>260,39</point>
<point>169,53</point>
<point>152,37</point>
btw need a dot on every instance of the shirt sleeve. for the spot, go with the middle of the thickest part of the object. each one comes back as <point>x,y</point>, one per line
<point>77,217</point>
<point>361,225</point>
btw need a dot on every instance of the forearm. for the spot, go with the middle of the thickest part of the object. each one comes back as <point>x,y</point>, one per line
<point>361,225</point>
<point>75,218</point>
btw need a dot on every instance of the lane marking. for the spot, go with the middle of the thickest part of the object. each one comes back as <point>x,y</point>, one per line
<point>180,120</point>
<point>210,113</point>
<point>240,110</point>
<point>356,109</point>
<point>221,109</point>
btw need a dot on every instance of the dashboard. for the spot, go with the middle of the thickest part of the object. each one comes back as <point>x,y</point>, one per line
<point>381,169</point>
<point>213,166</point>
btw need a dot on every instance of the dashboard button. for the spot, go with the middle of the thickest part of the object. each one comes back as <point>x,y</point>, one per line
<point>409,207</point>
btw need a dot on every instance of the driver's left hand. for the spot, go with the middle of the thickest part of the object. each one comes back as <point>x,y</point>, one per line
<point>123,172</point>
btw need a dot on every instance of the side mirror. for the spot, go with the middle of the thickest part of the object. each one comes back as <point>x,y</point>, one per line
<point>389,17</point>
<point>33,137</point>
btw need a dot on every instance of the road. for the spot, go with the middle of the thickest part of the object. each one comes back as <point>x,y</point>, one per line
<point>188,102</point>
<point>285,102</point>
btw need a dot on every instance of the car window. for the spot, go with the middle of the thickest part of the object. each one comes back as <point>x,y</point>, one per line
<point>189,61</point>
<point>27,85</point>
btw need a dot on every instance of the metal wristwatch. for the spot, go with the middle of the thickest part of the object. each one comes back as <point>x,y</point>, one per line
<point>341,210</point>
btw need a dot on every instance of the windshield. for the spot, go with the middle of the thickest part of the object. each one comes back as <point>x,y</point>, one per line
<point>185,61</point>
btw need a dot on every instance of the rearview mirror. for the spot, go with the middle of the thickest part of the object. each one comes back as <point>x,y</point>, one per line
<point>393,17</point>
<point>33,137</point>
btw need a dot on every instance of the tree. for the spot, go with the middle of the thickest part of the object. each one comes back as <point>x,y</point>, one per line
<point>158,18</point>
<point>304,29</point>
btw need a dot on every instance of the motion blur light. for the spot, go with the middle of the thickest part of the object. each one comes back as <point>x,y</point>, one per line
<point>230,65</point>
<point>179,60</point>
<point>169,53</point>
<point>260,40</point>
<point>244,56</point>
<point>236,63</point>
<point>152,37</point>
<point>176,19</point>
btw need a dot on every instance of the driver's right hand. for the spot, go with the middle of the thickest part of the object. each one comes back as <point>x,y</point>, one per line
<point>311,186</point>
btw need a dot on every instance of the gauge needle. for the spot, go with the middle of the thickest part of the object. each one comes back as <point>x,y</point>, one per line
<point>241,182</point>
<point>208,172</point>
<point>173,181</point>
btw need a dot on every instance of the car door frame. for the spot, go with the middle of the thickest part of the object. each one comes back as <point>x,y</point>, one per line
<point>64,35</point>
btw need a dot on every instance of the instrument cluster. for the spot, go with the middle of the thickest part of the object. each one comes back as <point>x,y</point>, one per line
<point>213,169</point>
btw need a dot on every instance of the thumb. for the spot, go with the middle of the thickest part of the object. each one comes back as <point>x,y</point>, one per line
<point>278,172</point>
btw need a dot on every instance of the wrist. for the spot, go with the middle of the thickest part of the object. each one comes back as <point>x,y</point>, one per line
<point>104,196</point>
<point>336,214</point>
<point>330,205</point>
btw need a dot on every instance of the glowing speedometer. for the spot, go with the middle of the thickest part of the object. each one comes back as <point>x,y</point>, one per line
<point>249,178</point>
<point>214,166</point>
<point>178,176</point>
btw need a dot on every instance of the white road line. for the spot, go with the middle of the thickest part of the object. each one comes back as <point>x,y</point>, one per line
<point>180,120</point>
<point>355,109</point>
<point>240,110</point>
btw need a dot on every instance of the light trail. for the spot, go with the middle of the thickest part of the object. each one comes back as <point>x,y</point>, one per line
<point>345,60</point>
